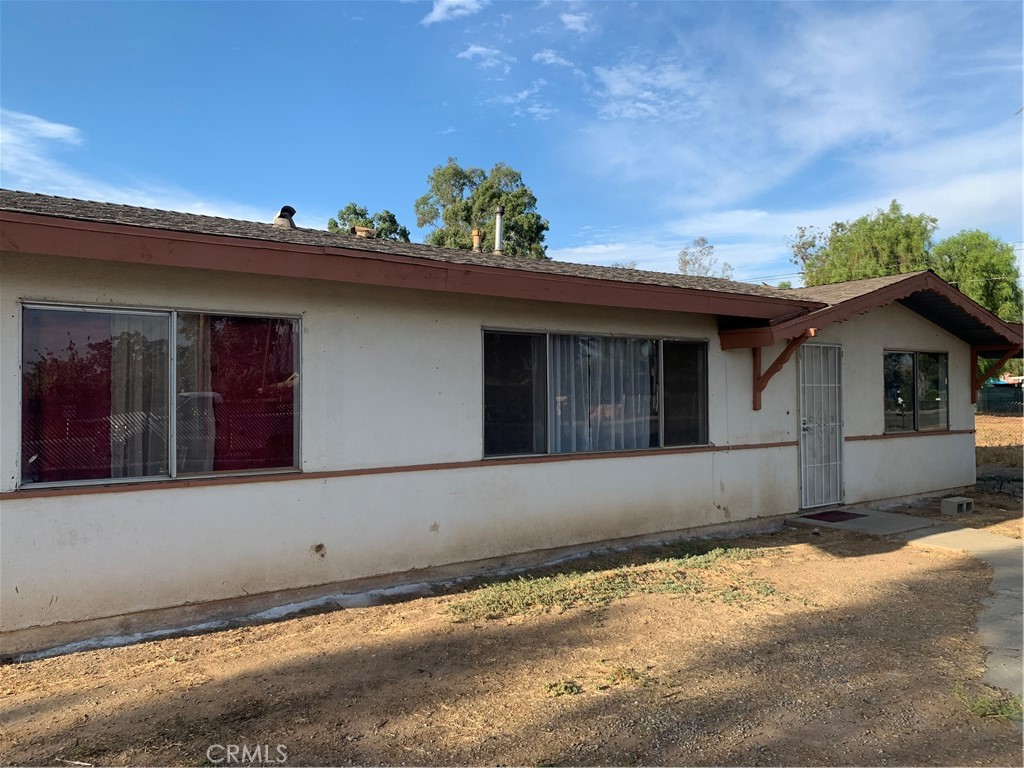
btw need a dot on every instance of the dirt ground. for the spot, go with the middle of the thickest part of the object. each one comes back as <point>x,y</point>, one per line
<point>850,652</point>
<point>993,512</point>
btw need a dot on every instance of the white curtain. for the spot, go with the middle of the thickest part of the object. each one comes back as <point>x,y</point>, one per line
<point>603,393</point>
<point>197,424</point>
<point>138,395</point>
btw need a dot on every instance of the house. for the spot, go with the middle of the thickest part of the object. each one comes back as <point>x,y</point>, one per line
<point>196,411</point>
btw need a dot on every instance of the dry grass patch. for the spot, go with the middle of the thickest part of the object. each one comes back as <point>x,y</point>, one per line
<point>999,440</point>
<point>681,568</point>
<point>1000,455</point>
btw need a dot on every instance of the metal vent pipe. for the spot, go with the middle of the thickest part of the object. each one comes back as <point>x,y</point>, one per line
<point>499,235</point>
<point>284,218</point>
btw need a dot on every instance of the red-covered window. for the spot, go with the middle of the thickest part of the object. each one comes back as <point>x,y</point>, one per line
<point>235,393</point>
<point>97,389</point>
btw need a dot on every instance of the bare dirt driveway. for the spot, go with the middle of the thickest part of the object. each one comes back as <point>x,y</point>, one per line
<point>794,648</point>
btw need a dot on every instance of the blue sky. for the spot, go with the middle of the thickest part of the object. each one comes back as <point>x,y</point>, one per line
<point>639,126</point>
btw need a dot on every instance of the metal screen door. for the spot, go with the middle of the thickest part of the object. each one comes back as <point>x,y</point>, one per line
<point>821,425</point>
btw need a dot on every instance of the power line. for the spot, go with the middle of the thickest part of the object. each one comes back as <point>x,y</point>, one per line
<point>775,277</point>
<point>762,278</point>
<point>984,280</point>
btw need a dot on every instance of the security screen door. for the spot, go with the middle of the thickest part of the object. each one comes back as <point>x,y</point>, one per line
<point>821,425</point>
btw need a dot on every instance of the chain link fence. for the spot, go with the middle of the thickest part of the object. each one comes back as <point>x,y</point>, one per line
<point>999,426</point>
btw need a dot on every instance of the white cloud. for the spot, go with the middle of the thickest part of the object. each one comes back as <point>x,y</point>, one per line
<point>744,129</point>
<point>524,103</point>
<point>665,91</point>
<point>487,58</point>
<point>29,145</point>
<point>548,56</point>
<point>523,95</point>
<point>987,62</point>
<point>29,163</point>
<point>845,77</point>
<point>576,22</point>
<point>838,88</point>
<point>29,127</point>
<point>972,182</point>
<point>541,111</point>
<point>649,255</point>
<point>991,148</point>
<point>754,258</point>
<point>967,181</point>
<point>446,10</point>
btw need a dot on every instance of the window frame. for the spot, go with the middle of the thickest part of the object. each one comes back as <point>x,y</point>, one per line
<point>547,334</point>
<point>171,313</point>
<point>916,395</point>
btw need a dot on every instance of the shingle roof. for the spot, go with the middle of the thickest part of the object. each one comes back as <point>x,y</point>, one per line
<point>836,293</point>
<point>922,292</point>
<point>111,213</point>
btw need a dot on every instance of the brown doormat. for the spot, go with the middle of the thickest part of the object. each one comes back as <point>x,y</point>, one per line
<point>834,516</point>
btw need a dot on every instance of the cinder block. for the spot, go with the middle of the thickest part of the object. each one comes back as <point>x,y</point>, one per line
<point>957,505</point>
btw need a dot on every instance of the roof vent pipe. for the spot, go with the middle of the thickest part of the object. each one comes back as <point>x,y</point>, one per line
<point>499,214</point>
<point>284,218</point>
<point>478,237</point>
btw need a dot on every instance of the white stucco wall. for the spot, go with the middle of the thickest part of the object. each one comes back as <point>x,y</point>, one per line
<point>391,378</point>
<point>917,462</point>
<point>90,556</point>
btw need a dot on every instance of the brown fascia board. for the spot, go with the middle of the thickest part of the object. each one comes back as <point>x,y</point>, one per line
<point>82,239</point>
<point>742,338</point>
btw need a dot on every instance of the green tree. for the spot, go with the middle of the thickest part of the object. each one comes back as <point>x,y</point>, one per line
<point>887,243</point>
<point>892,242</point>
<point>983,267</point>
<point>384,224</point>
<point>460,200</point>
<point>785,285</point>
<point>699,260</point>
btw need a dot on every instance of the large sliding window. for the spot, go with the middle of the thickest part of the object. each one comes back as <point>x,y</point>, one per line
<point>916,391</point>
<point>563,393</point>
<point>97,400</point>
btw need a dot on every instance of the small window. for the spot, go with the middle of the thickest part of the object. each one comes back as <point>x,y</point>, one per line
<point>916,391</point>
<point>515,401</point>
<point>99,396</point>
<point>686,393</point>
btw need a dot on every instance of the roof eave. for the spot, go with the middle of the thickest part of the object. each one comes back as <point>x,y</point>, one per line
<point>33,233</point>
<point>741,338</point>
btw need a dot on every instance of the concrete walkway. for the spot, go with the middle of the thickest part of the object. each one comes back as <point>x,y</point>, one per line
<point>1001,623</point>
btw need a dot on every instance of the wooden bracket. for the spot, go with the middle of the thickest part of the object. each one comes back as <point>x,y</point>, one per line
<point>978,381</point>
<point>761,379</point>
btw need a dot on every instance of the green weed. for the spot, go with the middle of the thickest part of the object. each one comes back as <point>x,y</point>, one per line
<point>564,688</point>
<point>990,703</point>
